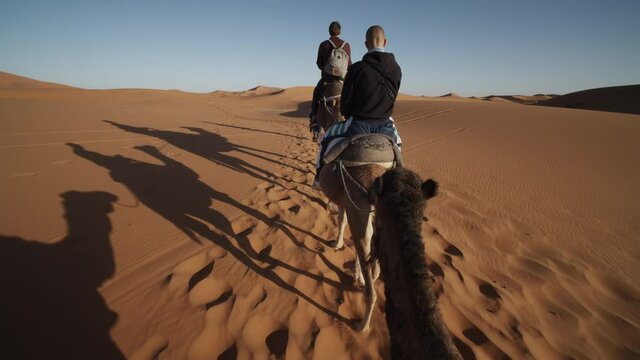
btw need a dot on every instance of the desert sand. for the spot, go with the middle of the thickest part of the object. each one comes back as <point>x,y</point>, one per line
<point>148,224</point>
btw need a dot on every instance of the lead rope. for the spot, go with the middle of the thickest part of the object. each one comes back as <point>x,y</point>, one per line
<point>325,100</point>
<point>346,190</point>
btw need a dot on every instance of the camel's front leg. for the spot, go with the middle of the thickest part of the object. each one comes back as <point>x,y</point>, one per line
<point>363,248</point>
<point>342,224</point>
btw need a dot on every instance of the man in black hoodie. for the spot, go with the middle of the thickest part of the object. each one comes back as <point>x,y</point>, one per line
<point>368,95</point>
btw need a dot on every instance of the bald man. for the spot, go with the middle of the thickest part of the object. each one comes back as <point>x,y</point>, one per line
<point>368,95</point>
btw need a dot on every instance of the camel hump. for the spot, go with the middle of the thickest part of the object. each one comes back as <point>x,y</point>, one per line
<point>363,149</point>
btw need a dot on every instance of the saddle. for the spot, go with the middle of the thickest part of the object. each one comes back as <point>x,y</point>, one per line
<point>364,149</point>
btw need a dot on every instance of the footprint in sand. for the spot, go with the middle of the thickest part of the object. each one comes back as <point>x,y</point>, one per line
<point>151,348</point>
<point>330,345</point>
<point>470,336</point>
<point>277,342</point>
<point>493,298</point>
<point>256,336</point>
<point>209,292</point>
<point>225,317</point>
<point>179,282</point>
<point>215,338</point>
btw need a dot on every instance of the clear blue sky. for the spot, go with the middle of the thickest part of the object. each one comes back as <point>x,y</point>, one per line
<point>475,47</point>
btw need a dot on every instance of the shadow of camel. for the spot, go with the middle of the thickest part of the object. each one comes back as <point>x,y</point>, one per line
<point>172,190</point>
<point>302,112</point>
<point>211,146</point>
<point>50,305</point>
<point>257,130</point>
<point>175,192</point>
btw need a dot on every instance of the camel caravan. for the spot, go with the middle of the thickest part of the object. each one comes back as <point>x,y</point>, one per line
<point>360,170</point>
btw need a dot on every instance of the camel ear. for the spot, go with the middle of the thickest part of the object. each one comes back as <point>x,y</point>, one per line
<point>429,189</point>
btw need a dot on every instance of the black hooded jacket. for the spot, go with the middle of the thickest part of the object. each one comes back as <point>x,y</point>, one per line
<point>371,87</point>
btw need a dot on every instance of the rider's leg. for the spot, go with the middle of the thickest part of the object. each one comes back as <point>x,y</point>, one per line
<point>317,91</point>
<point>392,130</point>
<point>336,130</point>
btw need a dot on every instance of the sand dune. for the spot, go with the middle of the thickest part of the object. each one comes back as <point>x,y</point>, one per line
<point>16,82</point>
<point>623,99</point>
<point>163,224</point>
<point>258,90</point>
<point>518,99</point>
<point>450,95</point>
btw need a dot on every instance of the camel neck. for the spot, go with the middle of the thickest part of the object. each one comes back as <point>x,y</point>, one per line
<point>414,321</point>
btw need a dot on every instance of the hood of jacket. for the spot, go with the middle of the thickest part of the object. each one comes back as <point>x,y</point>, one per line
<point>384,63</point>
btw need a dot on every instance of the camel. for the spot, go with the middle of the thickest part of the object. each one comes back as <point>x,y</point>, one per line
<point>397,197</point>
<point>329,107</point>
<point>415,325</point>
<point>360,224</point>
<point>348,188</point>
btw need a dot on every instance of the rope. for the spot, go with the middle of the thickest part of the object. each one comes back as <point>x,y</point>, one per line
<point>346,190</point>
<point>326,99</point>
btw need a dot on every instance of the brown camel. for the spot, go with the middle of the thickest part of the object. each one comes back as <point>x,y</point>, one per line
<point>329,107</point>
<point>346,180</point>
<point>360,222</point>
<point>414,321</point>
<point>398,198</point>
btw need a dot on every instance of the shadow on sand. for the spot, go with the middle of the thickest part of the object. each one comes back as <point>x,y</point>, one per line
<point>302,112</point>
<point>252,129</point>
<point>213,147</point>
<point>50,305</point>
<point>175,192</point>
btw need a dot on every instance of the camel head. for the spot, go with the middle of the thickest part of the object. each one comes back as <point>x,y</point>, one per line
<point>400,198</point>
<point>401,188</point>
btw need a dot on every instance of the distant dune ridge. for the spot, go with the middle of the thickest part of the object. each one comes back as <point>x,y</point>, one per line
<point>623,99</point>
<point>15,82</point>
<point>453,95</point>
<point>258,90</point>
<point>175,225</point>
<point>519,99</point>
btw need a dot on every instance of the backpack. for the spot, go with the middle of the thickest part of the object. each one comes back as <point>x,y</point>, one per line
<point>338,61</point>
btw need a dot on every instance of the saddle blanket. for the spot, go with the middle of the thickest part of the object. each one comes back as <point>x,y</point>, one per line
<point>353,127</point>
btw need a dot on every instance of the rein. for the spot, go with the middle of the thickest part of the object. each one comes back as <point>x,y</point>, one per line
<point>346,190</point>
<point>327,99</point>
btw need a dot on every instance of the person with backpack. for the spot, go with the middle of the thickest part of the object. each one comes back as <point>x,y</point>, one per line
<point>334,59</point>
<point>368,96</point>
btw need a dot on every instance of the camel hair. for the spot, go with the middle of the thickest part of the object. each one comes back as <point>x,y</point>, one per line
<point>399,199</point>
<point>415,324</point>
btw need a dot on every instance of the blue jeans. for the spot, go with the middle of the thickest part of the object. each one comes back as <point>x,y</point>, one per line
<point>353,127</point>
